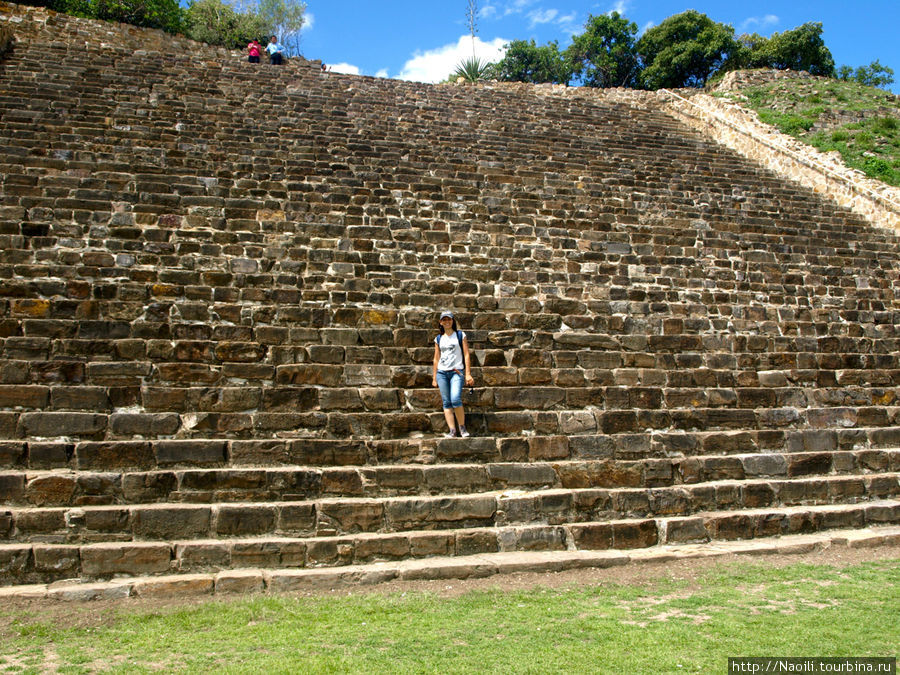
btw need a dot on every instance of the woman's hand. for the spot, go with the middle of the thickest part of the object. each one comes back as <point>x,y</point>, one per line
<point>434,382</point>
<point>470,381</point>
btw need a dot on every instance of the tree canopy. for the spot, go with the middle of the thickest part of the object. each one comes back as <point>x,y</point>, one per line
<point>685,50</point>
<point>526,62</point>
<point>799,49</point>
<point>604,55</point>
<point>218,23</point>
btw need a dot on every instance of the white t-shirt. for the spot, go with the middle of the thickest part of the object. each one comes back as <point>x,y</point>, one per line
<point>451,352</point>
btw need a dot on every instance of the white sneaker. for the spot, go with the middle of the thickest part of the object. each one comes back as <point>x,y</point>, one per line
<point>450,434</point>
<point>464,433</point>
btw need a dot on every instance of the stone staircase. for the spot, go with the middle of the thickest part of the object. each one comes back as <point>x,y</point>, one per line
<point>219,285</point>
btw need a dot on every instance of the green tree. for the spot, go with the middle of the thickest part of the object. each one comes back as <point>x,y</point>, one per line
<point>604,55</point>
<point>526,62</point>
<point>799,49</point>
<point>872,75</point>
<point>218,23</point>
<point>164,14</point>
<point>285,19</point>
<point>684,50</point>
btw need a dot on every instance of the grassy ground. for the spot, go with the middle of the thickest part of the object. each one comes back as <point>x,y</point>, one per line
<point>663,625</point>
<point>805,109</point>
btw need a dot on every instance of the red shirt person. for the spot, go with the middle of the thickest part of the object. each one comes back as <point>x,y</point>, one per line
<point>254,49</point>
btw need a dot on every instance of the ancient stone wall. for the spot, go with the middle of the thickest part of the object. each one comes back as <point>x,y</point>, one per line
<point>216,321</point>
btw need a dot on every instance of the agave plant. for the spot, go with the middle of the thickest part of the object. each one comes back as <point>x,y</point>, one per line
<point>474,70</point>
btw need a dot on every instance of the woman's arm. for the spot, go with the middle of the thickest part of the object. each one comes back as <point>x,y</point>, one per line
<point>434,367</point>
<point>470,381</point>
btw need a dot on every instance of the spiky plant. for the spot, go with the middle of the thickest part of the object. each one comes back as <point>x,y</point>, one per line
<point>474,70</point>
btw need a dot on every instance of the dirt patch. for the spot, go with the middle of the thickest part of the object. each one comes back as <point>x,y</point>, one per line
<point>97,614</point>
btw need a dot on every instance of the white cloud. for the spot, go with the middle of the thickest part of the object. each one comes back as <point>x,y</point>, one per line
<point>540,16</point>
<point>619,7</point>
<point>647,26</point>
<point>759,21</point>
<point>382,73</point>
<point>435,65</point>
<point>487,12</point>
<point>309,21</point>
<point>345,68</point>
<point>517,6</point>
<point>568,23</point>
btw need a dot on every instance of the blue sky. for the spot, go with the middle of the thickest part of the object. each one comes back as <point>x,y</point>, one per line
<point>424,40</point>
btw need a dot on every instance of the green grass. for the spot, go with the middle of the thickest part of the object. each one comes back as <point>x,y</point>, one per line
<point>663,626</point>
<point>795,106</point>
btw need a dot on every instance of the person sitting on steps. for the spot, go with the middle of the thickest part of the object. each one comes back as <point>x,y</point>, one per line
<point>451,357</point>
<point>275,51</point>
<point>254,49</point>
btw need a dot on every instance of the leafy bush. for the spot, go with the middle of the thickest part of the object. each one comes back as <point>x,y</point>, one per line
<point>217,23</point>
<point>164,14</point>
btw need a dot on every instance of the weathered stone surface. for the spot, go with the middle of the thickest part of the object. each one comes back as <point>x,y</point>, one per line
<point>195,453</point>
<point>52,490</point>
<point>245,520</point>
<point>181,522</point>
<point>55,424</point>
<point>104,560</point>
<point>114,455</point>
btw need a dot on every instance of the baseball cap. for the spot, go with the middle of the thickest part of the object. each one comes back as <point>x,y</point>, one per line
<point>444,314</point>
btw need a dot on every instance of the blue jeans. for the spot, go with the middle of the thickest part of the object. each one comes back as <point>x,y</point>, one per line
<point>450,383</point>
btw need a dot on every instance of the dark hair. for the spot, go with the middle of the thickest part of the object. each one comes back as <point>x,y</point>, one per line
<point>455,328</point>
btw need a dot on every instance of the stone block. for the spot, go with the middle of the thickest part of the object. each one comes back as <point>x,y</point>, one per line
<point>369,549</point>
<point>591,447</point>
<point>809,464</point>
<point>24,396</point>
<point>190,453</point>
<point>239,581</point>
<point>15,560</point>
<point>13,454</point>
<point>349,517</point>
<point>380,399</point>
<point>132,559</point>
<point>32,522</point>
<point>180,586</point>
<point>95,399</point>
<point>309,374</point>
<point>12,489</point>
<point>58,562</point>
<point>475,542</point>
<point>340,399</point>
<point>144,424</point>
<point>685,531</point>
<point>245,520</point>
<point>540,538</point>
<point>544,448</point>
<point>202,555</point>
<point>148,487</point>
<point>51,490</point>
<point>764,465</point>
<point>56,424</point>
<point>342,482</point>
<point>256,553</point>
<point>175,522</point>
<point>106,456</point>
<point>523,475</point>
<point>592,536</point>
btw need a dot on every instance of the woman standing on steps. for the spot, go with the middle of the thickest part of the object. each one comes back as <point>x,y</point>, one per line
<point>451,366</point>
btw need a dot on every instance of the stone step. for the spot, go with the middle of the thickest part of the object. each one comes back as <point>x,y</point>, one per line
<point>337,516</point>
<point>356,576</point>
<point>55,488</point>
<point>43,563</point>
<point>166,455</point>
<point>541,413</point>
